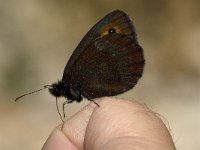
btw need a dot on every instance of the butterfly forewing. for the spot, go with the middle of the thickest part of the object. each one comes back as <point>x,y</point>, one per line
<point>116,19</point>
<point>121,22</point>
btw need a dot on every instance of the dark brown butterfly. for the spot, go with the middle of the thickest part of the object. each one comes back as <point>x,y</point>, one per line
<point>108,61</point>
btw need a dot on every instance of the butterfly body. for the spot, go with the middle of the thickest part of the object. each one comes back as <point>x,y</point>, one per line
<point>62,89</point>
<point>108,61</point>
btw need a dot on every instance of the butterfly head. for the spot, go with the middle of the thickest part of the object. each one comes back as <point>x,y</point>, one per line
<point>58,89</point>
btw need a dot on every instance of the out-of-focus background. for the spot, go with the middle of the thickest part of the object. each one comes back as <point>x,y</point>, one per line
<point>37,38</point>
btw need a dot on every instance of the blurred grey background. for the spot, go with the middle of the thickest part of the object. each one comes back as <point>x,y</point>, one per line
<point>37,38</point>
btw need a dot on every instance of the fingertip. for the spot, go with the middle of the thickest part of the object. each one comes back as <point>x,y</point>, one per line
<point>120,118</point>
<point>58,141</point>
<point>70,135</point>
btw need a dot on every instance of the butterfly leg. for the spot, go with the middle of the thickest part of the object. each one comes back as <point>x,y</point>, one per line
<point>94,102</point>
<point>66,102</point>
<point>90,99</point>
<point>59,113</point>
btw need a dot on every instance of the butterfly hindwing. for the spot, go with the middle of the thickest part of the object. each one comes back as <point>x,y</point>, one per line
<point>112,64</point>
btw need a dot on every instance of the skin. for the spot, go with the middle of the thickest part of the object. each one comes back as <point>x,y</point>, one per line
<point>117,124</point>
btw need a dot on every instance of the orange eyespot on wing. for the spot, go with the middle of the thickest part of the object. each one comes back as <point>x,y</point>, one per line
<point>121,23</point>
<point>105,30</point>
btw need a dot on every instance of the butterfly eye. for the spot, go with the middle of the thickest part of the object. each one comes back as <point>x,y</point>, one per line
<point>111,30</point>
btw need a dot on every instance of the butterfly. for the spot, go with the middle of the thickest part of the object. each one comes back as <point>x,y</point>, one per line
<point>108,61</point>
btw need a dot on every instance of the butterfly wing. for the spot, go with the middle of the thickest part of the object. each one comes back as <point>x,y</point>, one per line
<point>117,19</point>
<point>106,64</point>
<point>111,65</point>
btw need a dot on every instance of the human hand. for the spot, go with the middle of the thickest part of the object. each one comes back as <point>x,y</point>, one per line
<point>117,124</point>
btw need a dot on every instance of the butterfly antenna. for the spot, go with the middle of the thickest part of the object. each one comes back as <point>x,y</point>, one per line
<point>46,86</point>
<point>59,113</point>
